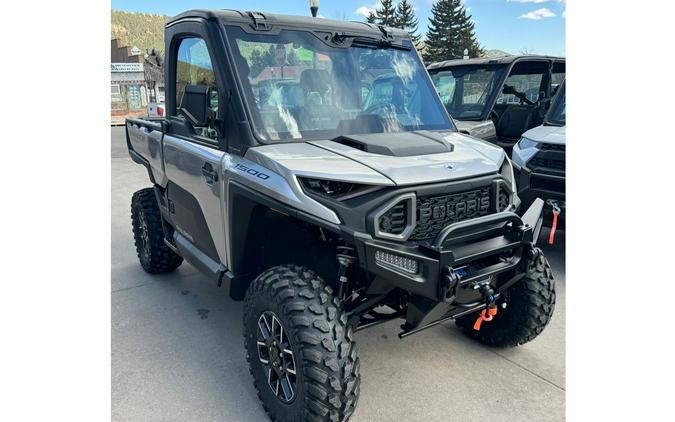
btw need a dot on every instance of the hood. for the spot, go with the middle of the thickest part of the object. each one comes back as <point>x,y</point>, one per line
<point>303,159</point>
<point>547,134</point>
<point>483,129</point>
<point>445,155</point>
<point>384,159</point>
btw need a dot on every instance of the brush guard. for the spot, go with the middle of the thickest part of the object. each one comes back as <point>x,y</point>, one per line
<point>462,255</point>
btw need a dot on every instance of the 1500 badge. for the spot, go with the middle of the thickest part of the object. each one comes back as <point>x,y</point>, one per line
<point>251,171</point>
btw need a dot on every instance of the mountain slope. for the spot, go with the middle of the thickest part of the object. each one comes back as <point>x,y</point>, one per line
<point>142,30</point>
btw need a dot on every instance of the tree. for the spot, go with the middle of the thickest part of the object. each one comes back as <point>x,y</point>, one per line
<point>372,17</point>
<point>292,58</point>
<point>467,35</point>
<point>385,14</point>
<point>404,18</point>
<point>450,32</point>
<point>261,58</point>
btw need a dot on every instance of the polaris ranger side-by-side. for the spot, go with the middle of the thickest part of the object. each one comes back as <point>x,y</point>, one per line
<point>539,161</point>
<point>497,99</point>
<point>308,166</point>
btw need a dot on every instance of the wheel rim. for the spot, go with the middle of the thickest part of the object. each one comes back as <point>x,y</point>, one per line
<point>144,234</point>
<point>276,357</point>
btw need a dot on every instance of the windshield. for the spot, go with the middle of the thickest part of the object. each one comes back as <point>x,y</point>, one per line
<point>298,87</point>
<point>465,91</point>
<point>556,115</point>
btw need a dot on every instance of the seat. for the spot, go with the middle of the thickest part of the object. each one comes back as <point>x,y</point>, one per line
<point>514,121</point>
<point>319,113</point>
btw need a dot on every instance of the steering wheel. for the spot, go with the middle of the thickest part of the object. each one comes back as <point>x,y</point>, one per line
<point>508,89</point>
<point>494,116</point>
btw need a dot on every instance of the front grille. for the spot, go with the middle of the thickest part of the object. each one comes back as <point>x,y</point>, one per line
<point>547,163</point>
<point>546,184</point>
<point>394,220</point>
<point>436,212</point>
<point>553,147</point>
<point>503,201</point>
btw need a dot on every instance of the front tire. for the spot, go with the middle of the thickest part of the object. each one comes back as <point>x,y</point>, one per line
<point>309,340</point>
<point>146,221</point>
<point>530,305</point>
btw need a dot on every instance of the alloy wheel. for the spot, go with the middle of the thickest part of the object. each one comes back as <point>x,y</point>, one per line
<point>276,357</point>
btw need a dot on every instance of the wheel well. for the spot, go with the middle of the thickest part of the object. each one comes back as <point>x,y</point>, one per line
<point>263,237</point>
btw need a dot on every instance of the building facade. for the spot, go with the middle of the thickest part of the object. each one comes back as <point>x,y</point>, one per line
<point>133,81</point>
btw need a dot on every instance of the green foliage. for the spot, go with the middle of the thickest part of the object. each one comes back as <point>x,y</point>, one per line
<point>292,58</point>
<point>385,13</point>
<point>400,16</point>
<point>259,57</point>
<point>404,18</point>
<point>450,31</point>
<point>142,30</point>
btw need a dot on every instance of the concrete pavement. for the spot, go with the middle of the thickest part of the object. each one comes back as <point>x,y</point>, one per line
<point>178,355</point>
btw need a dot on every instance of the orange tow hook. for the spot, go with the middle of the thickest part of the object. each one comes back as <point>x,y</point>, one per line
<point>485,315</point>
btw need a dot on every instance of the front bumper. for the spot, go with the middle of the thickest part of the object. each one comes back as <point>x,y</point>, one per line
<point>483,248</point>
<point>535,184</point>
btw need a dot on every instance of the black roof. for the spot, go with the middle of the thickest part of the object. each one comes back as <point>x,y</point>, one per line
<point>306,22</point>
<point>505,60</point>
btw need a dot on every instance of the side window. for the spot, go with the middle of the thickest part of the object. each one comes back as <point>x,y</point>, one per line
<point>557,77</point>
<point>526,79</point>
<point>445,84</point>
<point>194,67</point>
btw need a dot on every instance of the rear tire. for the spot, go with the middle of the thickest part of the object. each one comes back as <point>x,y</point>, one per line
<point>146,221</point>
<point>530,305</point>
<point>323,355</point>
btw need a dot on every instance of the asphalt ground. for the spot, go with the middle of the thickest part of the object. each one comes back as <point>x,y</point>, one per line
<point>178,354</point>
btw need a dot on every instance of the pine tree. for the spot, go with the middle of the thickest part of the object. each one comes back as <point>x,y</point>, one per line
<point>450,32</point>
<point>371,18</point>
<point>467,36</point>
<point>385,14</point>
<point>404,18</point>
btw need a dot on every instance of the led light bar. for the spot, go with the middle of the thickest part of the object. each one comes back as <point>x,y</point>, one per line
<point>399,262</point>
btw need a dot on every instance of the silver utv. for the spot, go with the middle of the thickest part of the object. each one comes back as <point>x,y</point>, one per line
<point>310,167</point>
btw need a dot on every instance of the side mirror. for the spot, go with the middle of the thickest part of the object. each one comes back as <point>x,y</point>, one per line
<point>195,104</point>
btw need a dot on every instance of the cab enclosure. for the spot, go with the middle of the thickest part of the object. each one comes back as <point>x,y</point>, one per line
<point>498,99</point>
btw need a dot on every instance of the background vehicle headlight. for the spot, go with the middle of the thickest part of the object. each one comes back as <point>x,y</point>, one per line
<point>526,143</point>
<point>507,172</point>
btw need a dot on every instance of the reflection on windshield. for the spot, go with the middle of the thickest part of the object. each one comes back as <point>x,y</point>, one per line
<point>298,87</point>
<point>465,92</point>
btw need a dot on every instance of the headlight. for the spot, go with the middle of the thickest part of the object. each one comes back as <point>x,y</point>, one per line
<point>526,143</point>
<point>334,189</point>
<point>386,259</point>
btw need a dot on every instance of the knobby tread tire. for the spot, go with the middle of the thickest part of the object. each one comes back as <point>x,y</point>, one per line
<point>530,305</point>
<point>329,382</point>
<point>155,257</point>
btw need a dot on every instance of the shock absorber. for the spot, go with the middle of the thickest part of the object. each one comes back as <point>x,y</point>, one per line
<point>345,257</point>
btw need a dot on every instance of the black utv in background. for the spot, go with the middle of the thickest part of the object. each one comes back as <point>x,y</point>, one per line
<point>498,99</point>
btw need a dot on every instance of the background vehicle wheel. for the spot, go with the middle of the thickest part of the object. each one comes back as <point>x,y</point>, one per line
<point>155,256</point>
<point>296,333</point>
<point>530,304</point>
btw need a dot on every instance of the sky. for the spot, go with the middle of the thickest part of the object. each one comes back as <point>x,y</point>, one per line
<point>514,26</point>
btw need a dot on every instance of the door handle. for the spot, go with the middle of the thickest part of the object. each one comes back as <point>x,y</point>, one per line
<point>210,175</point>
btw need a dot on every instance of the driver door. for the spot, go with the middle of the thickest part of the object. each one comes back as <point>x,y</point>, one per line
<point>193,158</point>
